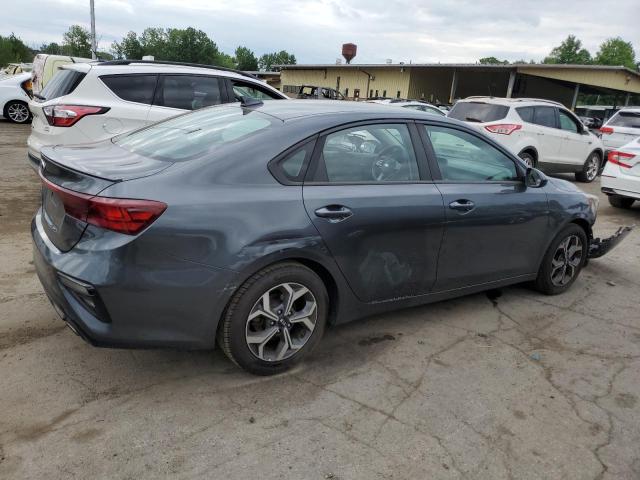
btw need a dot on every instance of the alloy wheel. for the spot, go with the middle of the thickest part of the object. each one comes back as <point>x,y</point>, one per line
<point>592,168</point>
<point>566,260</point>
<point>18,112</point>
<point>281,322</point>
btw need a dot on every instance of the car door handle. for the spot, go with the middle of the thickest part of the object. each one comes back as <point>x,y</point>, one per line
<point>462,205</point>
<point>334,213</point>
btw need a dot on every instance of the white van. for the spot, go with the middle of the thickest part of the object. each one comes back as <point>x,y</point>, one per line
<point>45,66</point>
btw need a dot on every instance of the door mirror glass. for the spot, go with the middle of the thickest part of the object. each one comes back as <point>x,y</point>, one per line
<point>535,178</point>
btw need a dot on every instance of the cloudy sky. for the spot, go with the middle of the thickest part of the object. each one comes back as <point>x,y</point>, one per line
<point>314,30</point>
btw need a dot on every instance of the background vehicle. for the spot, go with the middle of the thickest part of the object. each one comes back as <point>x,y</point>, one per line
<point>541,132</point>
<point>412,104</point>
<point>621,128</point>
<point>45,66</point>
<point>88,102</point>
<point>199,227</point>
<point>14,97</point>
<point>591,122</point>
<point>620,179</point>
<point>15,68</point>
<point>310,92</point>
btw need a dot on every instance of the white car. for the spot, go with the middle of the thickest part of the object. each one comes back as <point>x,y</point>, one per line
<point>620,179</point>
<point>14,97</point>
<point>89,102</point>
<point>621,128</point>
<point>543,133</point>
<point>412,104</point>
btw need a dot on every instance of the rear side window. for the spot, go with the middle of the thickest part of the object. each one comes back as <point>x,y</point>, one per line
<point>189,92</point>
<point>478,112</point>
<point>192,135</point>
<point>133,88</point>
<point>246,89</point>
<point>625,119</point>
<point>293,165</point>
<point>63,83</point>
<point>526,113</point>
<point>545,116</point>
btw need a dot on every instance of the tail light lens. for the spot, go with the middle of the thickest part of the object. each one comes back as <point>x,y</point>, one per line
<point>503,128</point>
<point>606,130</point>
<point>122,215</point>
<point>67,115</point>
<point>624,160</point>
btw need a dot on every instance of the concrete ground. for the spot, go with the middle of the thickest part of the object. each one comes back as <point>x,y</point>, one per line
<point>516,386</point>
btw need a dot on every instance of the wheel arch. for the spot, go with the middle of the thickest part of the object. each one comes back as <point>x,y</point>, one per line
<point>532,151</point>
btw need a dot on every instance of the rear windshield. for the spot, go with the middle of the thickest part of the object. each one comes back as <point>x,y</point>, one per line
<point>194,134</point>
<point>63,83</point>
<point>625,119</point>
<point>478,112</point>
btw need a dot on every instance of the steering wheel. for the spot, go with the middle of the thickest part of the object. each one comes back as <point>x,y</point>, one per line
<point>390,163</point>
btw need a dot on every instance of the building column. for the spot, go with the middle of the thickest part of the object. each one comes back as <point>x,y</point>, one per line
<point>512,82</point>
<point>626,99</point>
<point>574,101</point>
<point>454,86</point>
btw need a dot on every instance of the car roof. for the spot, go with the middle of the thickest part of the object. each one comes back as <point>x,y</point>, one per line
<point>511,102</point>
<point>630,109</point>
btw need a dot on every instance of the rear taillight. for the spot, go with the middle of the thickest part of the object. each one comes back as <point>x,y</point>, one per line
<point>123,215</point>
<point>606,130</point>
<point>67,115</point>
<point>625,160</point>
<point>503,128</point>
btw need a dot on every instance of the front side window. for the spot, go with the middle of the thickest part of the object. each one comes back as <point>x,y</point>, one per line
<point>545,116</point>
<point>370,154</point>
<point>463,157</point>
<point>189,92</point>
<point>132,88</point>
<point>250,90</point>
<point>567,123</point>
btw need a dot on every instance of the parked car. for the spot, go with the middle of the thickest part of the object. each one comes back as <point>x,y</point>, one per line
<point>88,102</point>
<point>412,104</point>
<point>621,128</point>
<point>310,92</point>
<point>620,179</point>
<point>16,68</point>
<point>543,133</point>
<point>14,97</point>
<point>198,228</point>
<point>591,122</point>
<point>45,66</point>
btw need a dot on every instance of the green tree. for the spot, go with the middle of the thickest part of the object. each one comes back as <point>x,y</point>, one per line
<point>245,59</point>
<point>615,51</point>
<point>77,42</point>
<point>269,61</point>
<point>129,47</point>
<point>492,61</point>
<point>52,48</point>
<point>569,51</point>
<point>190,45</point>
<point>12,50</point>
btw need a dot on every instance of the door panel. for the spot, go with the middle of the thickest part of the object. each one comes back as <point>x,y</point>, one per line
<point>388,247</point>
<point>549,137</point>
<point>575,146</point>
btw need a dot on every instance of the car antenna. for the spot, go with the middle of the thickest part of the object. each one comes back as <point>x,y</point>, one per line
<point>247,101</point>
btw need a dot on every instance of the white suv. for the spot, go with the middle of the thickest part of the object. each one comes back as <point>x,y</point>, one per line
<point>543,133</point>
<point>89,102</point>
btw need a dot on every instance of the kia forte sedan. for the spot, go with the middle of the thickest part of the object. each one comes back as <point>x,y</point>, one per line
<point>258,225</point>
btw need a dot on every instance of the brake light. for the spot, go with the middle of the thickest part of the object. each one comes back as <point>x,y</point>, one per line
<point>625,160</point>
<point>122,215</point>
<point>606,130</point>
<point>67,115</point>
<point>503,128</point>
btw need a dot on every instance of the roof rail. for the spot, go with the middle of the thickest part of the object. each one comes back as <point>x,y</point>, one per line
<point>476,97</point>
<point>183,64</point>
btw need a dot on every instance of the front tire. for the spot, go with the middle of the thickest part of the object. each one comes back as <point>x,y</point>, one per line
<point>619,201</point>
<point>563,261</point>
<point>17,112</point>
<point>275,319</point>
<point>590,169</point>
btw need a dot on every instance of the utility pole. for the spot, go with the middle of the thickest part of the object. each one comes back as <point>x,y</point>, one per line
<point>93,30</point>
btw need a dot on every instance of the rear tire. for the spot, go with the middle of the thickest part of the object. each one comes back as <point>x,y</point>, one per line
<point>619,201</point>
<point>275,319</point>
<point>17,112</point>
<point>528,159</point>
<point>563,261</point>
<point>590,169</point>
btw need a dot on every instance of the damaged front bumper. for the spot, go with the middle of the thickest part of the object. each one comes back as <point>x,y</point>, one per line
<point>600,247</point>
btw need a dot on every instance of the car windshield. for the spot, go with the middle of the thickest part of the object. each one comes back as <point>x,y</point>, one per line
<point>625,119</point>
<point>194,134</point>
<point>478,112</point>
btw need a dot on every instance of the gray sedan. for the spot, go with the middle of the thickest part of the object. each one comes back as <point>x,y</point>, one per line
<point>258,225</point>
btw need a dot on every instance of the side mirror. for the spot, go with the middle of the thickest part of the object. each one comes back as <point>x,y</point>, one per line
<point>534,178</point>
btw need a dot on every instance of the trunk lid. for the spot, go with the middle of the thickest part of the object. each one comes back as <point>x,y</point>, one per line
<point>71,174</point>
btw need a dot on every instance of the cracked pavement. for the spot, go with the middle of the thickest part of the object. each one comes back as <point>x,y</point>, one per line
<point>509,385</point>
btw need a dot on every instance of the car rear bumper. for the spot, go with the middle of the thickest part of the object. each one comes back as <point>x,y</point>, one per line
<point>602,246</point>
<point>110,301</point>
